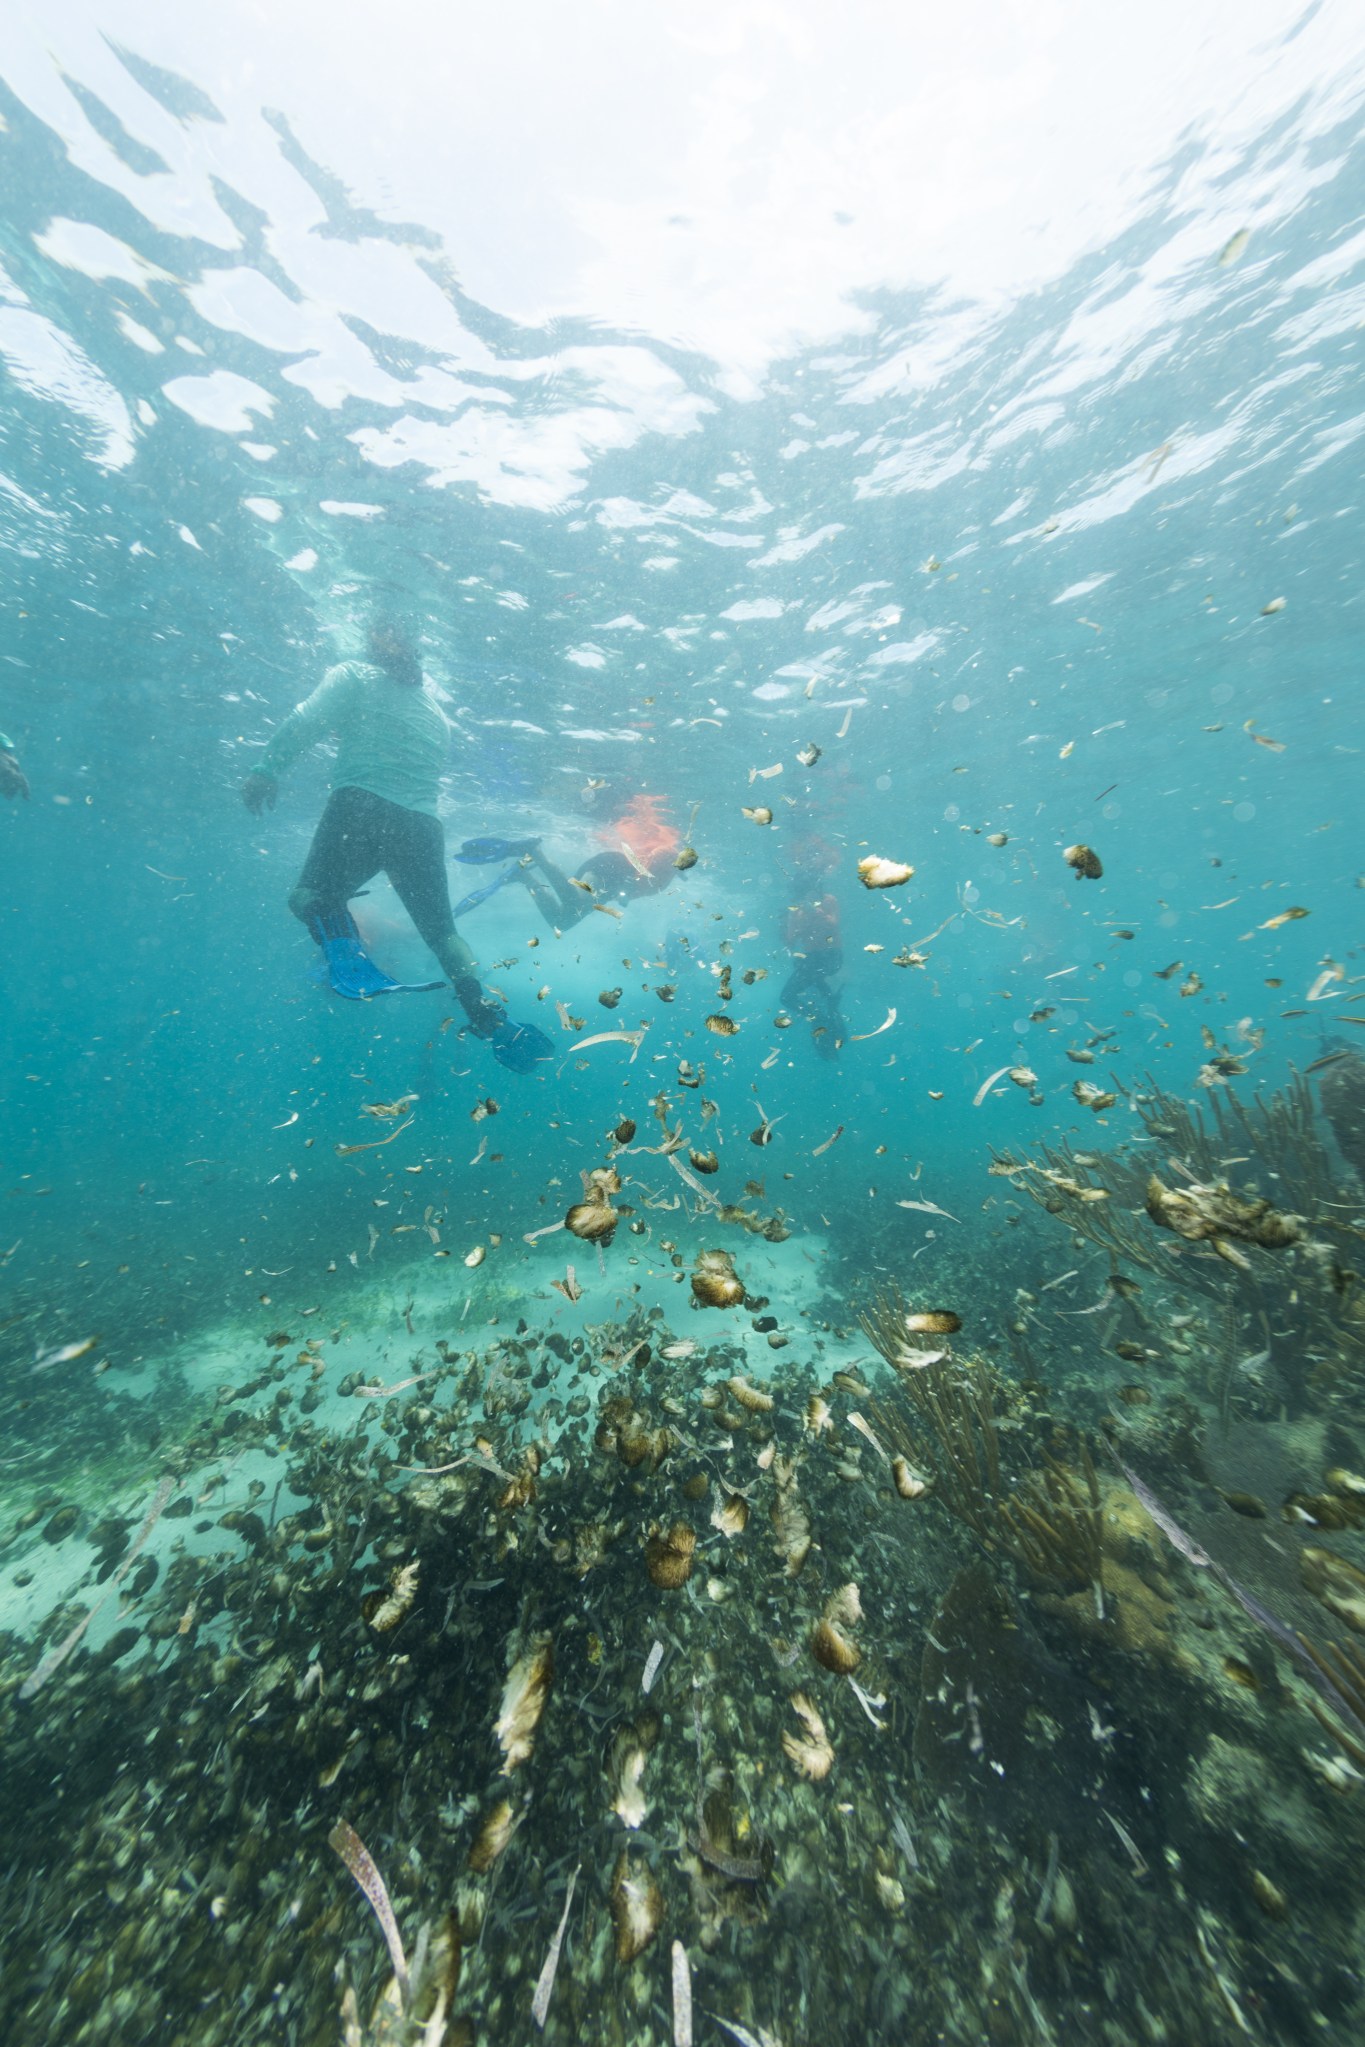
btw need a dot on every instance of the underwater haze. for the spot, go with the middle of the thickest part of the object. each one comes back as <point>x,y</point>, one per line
<point>789,1468</point>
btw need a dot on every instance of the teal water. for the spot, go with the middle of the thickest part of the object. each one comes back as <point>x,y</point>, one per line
<point>1043,527</point>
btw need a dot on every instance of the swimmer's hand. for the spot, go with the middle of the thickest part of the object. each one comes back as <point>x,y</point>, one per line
<point>13,780</point>
<point>259,792</point>
<point>485,1015</point>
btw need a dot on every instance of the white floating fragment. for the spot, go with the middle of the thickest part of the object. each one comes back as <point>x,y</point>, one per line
<point>682,1997</point>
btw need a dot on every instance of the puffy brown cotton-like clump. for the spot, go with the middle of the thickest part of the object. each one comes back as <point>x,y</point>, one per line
<point>874,872</point>
<point>1085,862</point>
<point>715,1283</point>
<point>384,1610</point>
<point>933,1322</point>
<point>523,1701</point>
<point>595,1221</point>
<point>493,1836</point>
<point>811,1752</point>
<point>637,1906</point>
<point>669,1555</point>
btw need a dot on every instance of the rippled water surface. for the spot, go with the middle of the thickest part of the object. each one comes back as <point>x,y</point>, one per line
<point>888,1564</point>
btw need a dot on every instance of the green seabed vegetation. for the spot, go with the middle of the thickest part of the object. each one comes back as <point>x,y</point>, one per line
<point>795,1670</point>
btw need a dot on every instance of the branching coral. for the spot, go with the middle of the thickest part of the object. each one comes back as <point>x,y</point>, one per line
<point>1043,1518</point>
<point>1273,1263</point>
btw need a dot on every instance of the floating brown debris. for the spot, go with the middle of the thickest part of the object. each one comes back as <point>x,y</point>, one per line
<point>759,814</point>
<point>595,1221</point>
<point>722,1025</point>
<point>524,1698</point>
<point>791,1522</point>
<point>630,1751</point>
<point>1091,1097</point>
<point>686,857</point>
<point>637,1906</point>
<point>752,1397</point>
<point>874,872</point>
<point>704,1161</point>
<point>932,1322</point>
<point>1213,1214</point>
<point>1023,1076</point>
<point>625,1130</point>
<point>818,1415</point>
<point>909,1483</point>
<point>1338,1584</point>
<point>715,1283</point>
<point>997,838</point>
<point>669,1555</point>
<point>384,1610</point>
<point>730,1515</point>
<point>609,997</point>
<point>812,1752</point>
<point>1084,860</point>
<point>831,1643</point>
<point>493,1836</point>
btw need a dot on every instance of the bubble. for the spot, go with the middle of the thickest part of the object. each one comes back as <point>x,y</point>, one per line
<point>1021,1027</point>
<point>965,1001</point>
<point>883,783</point>
<point>971,893</point>
<point>962,703</point>
<point>1111,811</point>
<point>952,813</point>
<point>1244,812</point>
<point>1157,697</point>
<point>1221,693</point>
<point>1066,1018</point>
<point>1132,979</point>
<point>1168,919</point>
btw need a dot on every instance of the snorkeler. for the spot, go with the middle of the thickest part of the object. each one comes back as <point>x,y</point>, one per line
<point>392,740</point>
<point>812,935</point>
<point>13,780</point>
<point>635,862</point>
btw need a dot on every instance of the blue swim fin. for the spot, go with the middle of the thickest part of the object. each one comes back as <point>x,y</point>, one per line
<point>482,852</point>
<point>520,1047</point>
<point>350,970</point>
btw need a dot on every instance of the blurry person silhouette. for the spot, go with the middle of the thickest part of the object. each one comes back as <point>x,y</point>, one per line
<point>13,780</point>
<point>392,742</point>
<point>636,861</point>
<point>812,935</point>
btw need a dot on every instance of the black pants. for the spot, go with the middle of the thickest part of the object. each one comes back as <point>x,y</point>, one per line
<point>359,834</point>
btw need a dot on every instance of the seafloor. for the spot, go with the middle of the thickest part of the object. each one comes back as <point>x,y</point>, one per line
<point>748,1673</point>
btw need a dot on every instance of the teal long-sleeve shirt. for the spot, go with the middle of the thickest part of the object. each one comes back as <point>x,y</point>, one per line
<point>391,739</point>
